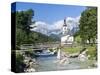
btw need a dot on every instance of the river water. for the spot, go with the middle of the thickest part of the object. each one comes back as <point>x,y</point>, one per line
<point>50,64</point>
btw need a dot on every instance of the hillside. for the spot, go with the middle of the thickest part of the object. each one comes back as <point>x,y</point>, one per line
<point>41,38</point>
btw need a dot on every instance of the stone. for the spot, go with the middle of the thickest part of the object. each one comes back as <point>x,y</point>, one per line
<point>65,60</point>
<point>30,70</point>
<point>82,57</point>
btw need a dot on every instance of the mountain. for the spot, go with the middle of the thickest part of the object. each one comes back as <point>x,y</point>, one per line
<point>74,30</point>
<point>55,36</point>
<point>39,37</point>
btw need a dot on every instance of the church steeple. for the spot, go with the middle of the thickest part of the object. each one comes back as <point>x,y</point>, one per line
<point>65,22</point>
<point>65,29</point>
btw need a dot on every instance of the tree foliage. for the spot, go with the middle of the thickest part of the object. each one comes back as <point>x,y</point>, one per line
<point>24,35</point>
<point>24,20</point>
<point>88,25</point>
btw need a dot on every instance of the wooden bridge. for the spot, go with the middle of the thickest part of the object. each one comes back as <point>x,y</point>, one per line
<point>39,46</point>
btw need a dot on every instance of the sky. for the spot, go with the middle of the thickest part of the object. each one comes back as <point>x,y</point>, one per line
<point>51,16</point>
<point>51,12</point>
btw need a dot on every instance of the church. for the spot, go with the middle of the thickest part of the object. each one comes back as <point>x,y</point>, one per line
<point>66,38</point>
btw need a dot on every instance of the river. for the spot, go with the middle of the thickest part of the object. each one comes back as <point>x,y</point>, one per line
<point>50,64</point>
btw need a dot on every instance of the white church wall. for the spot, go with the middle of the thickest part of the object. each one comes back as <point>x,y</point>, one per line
<point>67,39</point>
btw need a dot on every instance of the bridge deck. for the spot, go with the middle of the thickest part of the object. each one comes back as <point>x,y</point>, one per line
<point>39,46</point>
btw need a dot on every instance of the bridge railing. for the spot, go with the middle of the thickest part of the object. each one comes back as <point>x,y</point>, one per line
<point>39,45</point>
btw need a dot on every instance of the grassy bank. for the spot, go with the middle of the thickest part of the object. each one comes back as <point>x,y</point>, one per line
<point>92,50</point>
<point>71,50</point>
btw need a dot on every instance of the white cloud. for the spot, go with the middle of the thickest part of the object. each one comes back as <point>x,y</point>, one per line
<point>57,25</point>
<point>40,27</point>
<point>44,27</point>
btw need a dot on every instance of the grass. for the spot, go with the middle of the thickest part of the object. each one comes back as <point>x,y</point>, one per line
<point>71,50</point>
<point>92,50</point>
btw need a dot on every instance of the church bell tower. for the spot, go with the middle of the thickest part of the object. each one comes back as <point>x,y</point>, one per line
<point>65,29</point>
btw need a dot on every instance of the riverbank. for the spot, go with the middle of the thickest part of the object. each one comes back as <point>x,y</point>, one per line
<point>92,50</point>
<point>25,61</point>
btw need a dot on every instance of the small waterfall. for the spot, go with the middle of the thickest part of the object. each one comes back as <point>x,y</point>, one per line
<point>59,54</point>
